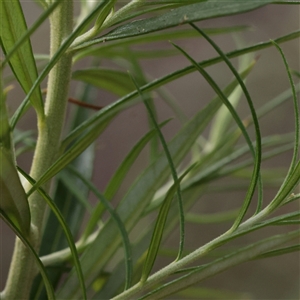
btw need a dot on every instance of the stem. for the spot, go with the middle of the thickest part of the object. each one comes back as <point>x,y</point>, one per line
<point>165,272</point>
<point>23,268</point>
<point>242,255</point>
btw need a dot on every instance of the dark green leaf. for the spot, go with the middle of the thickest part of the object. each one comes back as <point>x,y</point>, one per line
<point>159,227</point>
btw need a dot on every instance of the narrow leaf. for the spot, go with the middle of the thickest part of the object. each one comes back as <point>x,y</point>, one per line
<point>137,199</point>
<point>295,157</point>
<point>125,101</point>
<point>237,257</point>
<point>241,126</point>
<point>14,201</point>
<point>182,15</point>
<point>121,172</point>
<point>63,48</point>
<point>281,251</point>
<point>212,218</point>
<point>117,220</point>
<point>30,31</point>
<point>66,229</point>
<point>172,167</point>
<point>18,232</point>
<point>159,227</point>
<point>104,49</point>
<point>114,81</point>
<point>70,155</point>
<point>118,178</point>
<point>13,28</point>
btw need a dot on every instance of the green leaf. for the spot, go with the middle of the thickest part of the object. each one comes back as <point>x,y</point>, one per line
<point>295,158</point>
<point>237,257</point>
<point>72,209</point>
<point>61,51</point>
<point>66,229</point>
<point>14,201</point>
<point>281,251</point>
<point>153,117</point>
<point>118,178</point>
<point>114,81</point>
<point>5,131</point>
<point>29,32</point>
<point>22,237</point>
<point>188,13</point>
<point>123,169</point>
<point>138,197</point>
<point>208,293</point>
<point>212,218</point>
<point>71,153</point>
<point>13,27</point>
<point>110,110</point>
<point>105,49</point>
<point>159,227</point>
<point>115,216</point>
<point>257,153</point>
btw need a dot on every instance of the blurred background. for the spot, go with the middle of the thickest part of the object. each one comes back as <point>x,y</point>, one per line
<point>273,278</point>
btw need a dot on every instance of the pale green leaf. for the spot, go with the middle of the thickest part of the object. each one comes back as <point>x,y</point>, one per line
<point>114,81</point>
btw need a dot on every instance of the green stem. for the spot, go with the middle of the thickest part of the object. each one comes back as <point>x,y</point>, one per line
<point>23,268</point>
<point>165,272</point>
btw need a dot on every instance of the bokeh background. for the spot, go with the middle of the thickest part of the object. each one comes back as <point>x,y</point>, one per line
<point>273,278</point>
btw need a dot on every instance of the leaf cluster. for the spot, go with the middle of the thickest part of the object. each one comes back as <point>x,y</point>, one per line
<point>103,257</point>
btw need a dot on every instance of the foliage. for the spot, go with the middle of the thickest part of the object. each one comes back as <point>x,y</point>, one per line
<point>109,256</point>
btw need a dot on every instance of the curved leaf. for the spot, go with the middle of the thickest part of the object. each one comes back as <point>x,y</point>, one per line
<point>138,197</point>
<point>66,229</point>
<point>118,178</point>
<point>104,49</point>
<point>115,216</point>
<point>182,15</point>
<point>49,288</point>
<point>159,227</point>
<point>109,110</point>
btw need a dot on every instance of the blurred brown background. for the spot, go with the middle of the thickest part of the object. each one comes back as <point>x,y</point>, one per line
<point>274,278</point>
